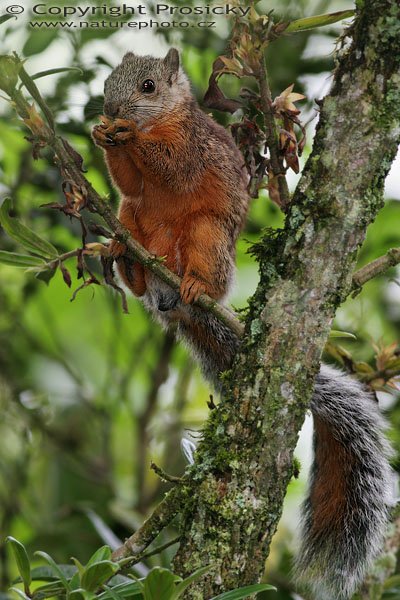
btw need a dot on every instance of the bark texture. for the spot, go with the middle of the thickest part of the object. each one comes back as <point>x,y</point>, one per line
<point>245,459</point>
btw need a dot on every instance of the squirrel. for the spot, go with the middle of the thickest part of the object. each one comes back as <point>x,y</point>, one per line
<point>183,184</point>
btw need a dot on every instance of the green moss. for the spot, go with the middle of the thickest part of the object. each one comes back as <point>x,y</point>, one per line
<point>296,219</point>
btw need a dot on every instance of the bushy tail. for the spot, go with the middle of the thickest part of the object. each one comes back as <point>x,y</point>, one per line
<point>345,514</point>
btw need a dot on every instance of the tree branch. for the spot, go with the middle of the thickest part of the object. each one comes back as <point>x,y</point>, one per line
<point>375,268</point>
<point>154,524</point>
<point>165,476</point>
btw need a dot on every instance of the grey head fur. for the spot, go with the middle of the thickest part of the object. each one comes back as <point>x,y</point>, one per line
<point>126,98</point>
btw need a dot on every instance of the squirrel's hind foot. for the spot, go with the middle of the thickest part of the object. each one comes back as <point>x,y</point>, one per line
<point>168,302</point>
<point>117,249</point>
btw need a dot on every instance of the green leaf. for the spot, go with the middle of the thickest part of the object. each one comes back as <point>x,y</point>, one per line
<point>20,593</point>
<point>55,71</point>
<point>98,573</point>
<point>79,566</point>
<point>159,584</point>
<point>341,334</point>
<point>49,590</point>
<point>46,275</point>
<point>75,581</point>
<point>103,553</point>
<point>318,21</point>
<point>5,18</point>
<point>81,594</point>
<point>20,260</point>
<point>25,236</point>
<point>129,590</point>
<point>120,579</point>
<point>47,573</point>
<point>22,560</point>
<point>56,568</point>
<point>10,68</point>
<point>37,43</point>
<point>181,587</point>
<point>114,595</point>
<point>245,591</point>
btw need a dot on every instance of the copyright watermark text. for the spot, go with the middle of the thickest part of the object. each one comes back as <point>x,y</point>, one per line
<point>48,15</point>
<point>45,9</point>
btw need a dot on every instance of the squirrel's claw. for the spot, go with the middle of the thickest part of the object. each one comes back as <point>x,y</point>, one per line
<point>106,122</point>
<point>191,289</point>
<point>110,141</point>
<point>100,138</point>
<point>113,133</point>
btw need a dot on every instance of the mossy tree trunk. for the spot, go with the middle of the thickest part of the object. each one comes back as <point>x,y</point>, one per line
<point>244,462</point>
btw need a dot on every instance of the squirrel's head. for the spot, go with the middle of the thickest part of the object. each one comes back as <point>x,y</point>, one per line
<point>142,88</point>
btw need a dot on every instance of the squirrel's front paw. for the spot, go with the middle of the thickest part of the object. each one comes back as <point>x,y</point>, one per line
<point>113,133</point>
<point>101,137</point>
<point>123,131</point>
<point>191,289</point>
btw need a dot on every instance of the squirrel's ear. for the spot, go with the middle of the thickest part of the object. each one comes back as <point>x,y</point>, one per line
<point>172,60</point>
<point>128,56</point>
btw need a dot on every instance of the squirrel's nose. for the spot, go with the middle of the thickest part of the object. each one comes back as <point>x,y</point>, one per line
<point>111,109</point>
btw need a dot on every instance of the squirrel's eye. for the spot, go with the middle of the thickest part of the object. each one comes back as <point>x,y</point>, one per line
<point>148,86</point>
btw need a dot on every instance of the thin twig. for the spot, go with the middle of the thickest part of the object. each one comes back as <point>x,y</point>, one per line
<point>375,268</point>
<point>276,160</point>
<point>163,475</point>
<point>62,257</point>
<point>156,522</point>
<point>385,374</point>
<point>130,562</point>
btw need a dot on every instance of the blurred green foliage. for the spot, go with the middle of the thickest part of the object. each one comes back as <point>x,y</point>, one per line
<point>85,395</point>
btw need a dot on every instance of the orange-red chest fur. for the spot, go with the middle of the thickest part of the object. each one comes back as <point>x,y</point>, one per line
<point>171,223</point>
